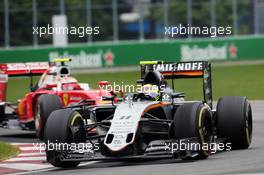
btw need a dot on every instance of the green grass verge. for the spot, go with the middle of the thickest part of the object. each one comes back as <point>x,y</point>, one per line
<point>7,150</point>
<point>243,80</point>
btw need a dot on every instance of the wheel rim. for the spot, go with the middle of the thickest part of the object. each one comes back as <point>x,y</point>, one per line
<point>37,119</point>
<point>76,134</point>
<point>248,121</point>
<point>206,130</point>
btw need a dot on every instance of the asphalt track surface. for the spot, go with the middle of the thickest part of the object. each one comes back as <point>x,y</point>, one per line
<point>249,161</point>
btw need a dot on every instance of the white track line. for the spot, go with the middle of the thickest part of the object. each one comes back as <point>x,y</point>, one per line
<point>32,148</point>
<point>25,159</point>
<point>51,168</point>
<point>35,171</point>
<point>37,154</point>
<point>31,154</point>
<point>26,166</point>
<point>17,143</point>
<point>88,163</point>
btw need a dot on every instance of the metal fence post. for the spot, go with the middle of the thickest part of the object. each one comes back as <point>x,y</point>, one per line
<point>189,15</point>
<point>7,33</point>
<point>166,16</point>
<point>89,18</point>
<point>141,22</point>
<point>256,24</point>
<point>213,18</point>
<point>234,10</point>
<point>62,7</point>
<point>35,21</point>
<point>115,20</point>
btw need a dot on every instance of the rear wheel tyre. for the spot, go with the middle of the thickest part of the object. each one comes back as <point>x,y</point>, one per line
<point>194,120</point>
<point>45,105</point>
<point>63,126</point>
<point>234,121</point>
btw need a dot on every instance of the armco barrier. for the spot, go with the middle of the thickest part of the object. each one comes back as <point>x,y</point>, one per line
<point>130,53</point>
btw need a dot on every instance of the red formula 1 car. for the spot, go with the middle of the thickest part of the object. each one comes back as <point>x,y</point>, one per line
<point>54,90</point>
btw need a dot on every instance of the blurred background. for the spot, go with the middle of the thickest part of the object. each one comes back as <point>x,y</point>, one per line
<point>125,19</point>
<point>133,30</point>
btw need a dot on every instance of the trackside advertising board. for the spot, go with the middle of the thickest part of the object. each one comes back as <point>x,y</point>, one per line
<point>130,53</point>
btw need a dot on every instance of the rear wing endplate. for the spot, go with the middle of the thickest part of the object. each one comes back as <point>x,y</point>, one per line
<point>193,69</point>
<point>24,69</point>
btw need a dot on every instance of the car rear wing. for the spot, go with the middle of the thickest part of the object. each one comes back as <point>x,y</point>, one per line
<point>30,68</point>
<point>24,69</point>
<point>193,69</point>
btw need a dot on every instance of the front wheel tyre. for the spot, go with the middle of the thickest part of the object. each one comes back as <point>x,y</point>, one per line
<point>194,120</point>
<point>63,126</point>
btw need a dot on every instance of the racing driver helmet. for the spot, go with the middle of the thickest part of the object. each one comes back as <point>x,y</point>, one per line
<point>151,91</point>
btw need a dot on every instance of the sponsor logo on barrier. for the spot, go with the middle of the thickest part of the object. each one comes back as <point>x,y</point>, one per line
<point>232,51</point>
<point>84,59</point>
<point>81,59</point>
<point>109,58</point>
<point>210,52</point>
